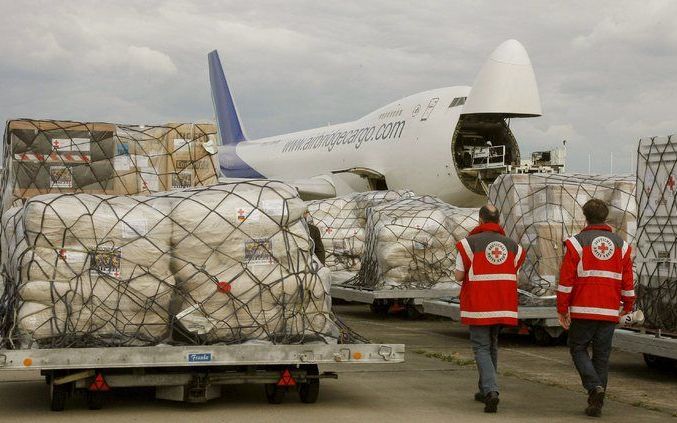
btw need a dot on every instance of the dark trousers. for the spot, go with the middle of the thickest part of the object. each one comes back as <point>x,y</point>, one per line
<point>484,340</point>
<point>582,333</point>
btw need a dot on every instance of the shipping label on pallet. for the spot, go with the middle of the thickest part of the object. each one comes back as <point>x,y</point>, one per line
<point>60,177</point>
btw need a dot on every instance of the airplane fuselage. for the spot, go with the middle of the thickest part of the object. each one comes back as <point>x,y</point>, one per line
<point>408,141</point>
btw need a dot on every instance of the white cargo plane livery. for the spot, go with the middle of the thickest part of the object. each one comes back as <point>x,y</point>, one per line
<point>448,142</point>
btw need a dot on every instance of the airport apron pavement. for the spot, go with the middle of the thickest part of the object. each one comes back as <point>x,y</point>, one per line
<point>435,384</point>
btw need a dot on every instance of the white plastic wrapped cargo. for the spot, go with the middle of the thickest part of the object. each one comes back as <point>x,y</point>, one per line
<point>251,240</point>
<point>341,222</point>
<point>411,244</point>
<point>94,268</point>
<point>229,263</point>
<point>656,260</point>
<point>540,211</point>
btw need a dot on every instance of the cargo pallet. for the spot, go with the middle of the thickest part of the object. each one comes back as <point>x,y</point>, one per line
<point>539,321</point>
<point>659,350</point>
<point>381,301</point>
<point>191,373</point>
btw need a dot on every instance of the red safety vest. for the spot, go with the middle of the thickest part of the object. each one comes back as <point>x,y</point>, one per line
<point>489,291</point>
<point>596,276</point>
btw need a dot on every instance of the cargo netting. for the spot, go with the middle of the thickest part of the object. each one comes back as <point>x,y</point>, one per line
<point>540,211</point>
<point>411,244</point>
<point>656,260</point>
<point>230,263</point>
<point>341,222</point>
<point>48,156</point>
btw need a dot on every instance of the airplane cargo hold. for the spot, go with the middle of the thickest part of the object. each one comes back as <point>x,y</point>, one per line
<point>341,221</point>
<point>231,263</point>
<point>540,211</point>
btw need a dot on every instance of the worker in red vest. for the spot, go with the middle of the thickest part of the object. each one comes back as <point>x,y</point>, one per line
<point>595,278</point>
<point>487,264</point>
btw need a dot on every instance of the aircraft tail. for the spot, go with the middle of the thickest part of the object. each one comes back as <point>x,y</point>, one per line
<point>230,129</point>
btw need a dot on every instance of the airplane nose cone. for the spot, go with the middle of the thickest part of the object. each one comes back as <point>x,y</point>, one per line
<point>506,84</point>
<point>511,52</point>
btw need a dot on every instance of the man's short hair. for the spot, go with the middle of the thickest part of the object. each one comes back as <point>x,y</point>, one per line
<point>595,211</point>
<point>490,214</point>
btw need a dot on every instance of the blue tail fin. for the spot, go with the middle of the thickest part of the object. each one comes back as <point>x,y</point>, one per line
<point>230,130</point>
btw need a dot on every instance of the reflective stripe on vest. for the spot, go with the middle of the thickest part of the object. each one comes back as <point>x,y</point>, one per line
<point>518,255</point>
<point>466,247</point>
<point>491,277</point>
<point>595,310</point>
<point>630,293</point>
<point>565,289</point>
<point>488,314</point>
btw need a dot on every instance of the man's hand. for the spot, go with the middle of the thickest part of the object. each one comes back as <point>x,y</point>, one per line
<point>564,320</point>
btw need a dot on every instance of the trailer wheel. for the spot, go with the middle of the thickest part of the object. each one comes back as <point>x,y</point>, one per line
<point>274,394</point>
<point>310,390</point>
<point>58,394</point>
<point>658,363</point>
<point>413,312</point>
<point>380,308</point>
<point>94,400</point>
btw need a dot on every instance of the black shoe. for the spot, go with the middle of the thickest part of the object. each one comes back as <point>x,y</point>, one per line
<point>491,402</point>
<point>479,396</point>
<point>595,402</point>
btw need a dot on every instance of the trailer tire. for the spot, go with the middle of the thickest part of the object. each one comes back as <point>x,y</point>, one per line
<point>658,363</point>
<point>58,394</point>
<point>309,391</point>
<point>380,308</point>
<point>413,312</point>
<point>94,400</point>
<point>274,394</point>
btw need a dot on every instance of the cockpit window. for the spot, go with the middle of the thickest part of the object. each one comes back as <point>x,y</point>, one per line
<point>458,101</point>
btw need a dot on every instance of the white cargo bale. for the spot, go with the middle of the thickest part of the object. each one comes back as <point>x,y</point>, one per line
<point>540,211</point>
<point>229,263</point>
<point>411,243</point>
<point>341,222</point>
<point>12,242</point>
<point>243,263</point>
<point>101,264</point>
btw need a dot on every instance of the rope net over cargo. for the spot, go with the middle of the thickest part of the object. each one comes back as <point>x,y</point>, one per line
<point>540,211</point>
<point>656,261</point>
<point>227,263</point>
<point>411,244</point>
<point>48,156</point>
<point>341,221</point>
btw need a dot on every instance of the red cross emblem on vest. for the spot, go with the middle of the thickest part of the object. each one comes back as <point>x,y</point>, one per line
<point>496,252</point>
<point>602,248</point>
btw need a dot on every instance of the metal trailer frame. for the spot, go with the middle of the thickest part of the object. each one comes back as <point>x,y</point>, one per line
<point>381,300</point>
<point>541,321</point>
<point>659,351</point>
<point>191,373</point>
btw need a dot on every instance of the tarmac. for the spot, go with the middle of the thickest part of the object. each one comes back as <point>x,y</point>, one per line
<point>435,384</point>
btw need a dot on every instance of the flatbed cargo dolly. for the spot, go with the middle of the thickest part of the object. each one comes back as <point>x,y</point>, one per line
<point>659,350</point>
<point>191,373</point>
<point>539,321</point>
<point>383,300</point>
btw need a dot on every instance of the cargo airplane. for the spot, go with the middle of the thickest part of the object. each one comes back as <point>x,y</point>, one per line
<point>448,142</point>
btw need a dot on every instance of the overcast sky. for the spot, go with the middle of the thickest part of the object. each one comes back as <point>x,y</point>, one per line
<point>606,69</point>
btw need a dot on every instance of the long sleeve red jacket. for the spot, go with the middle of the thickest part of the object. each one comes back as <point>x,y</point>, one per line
<point>596,276</point>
